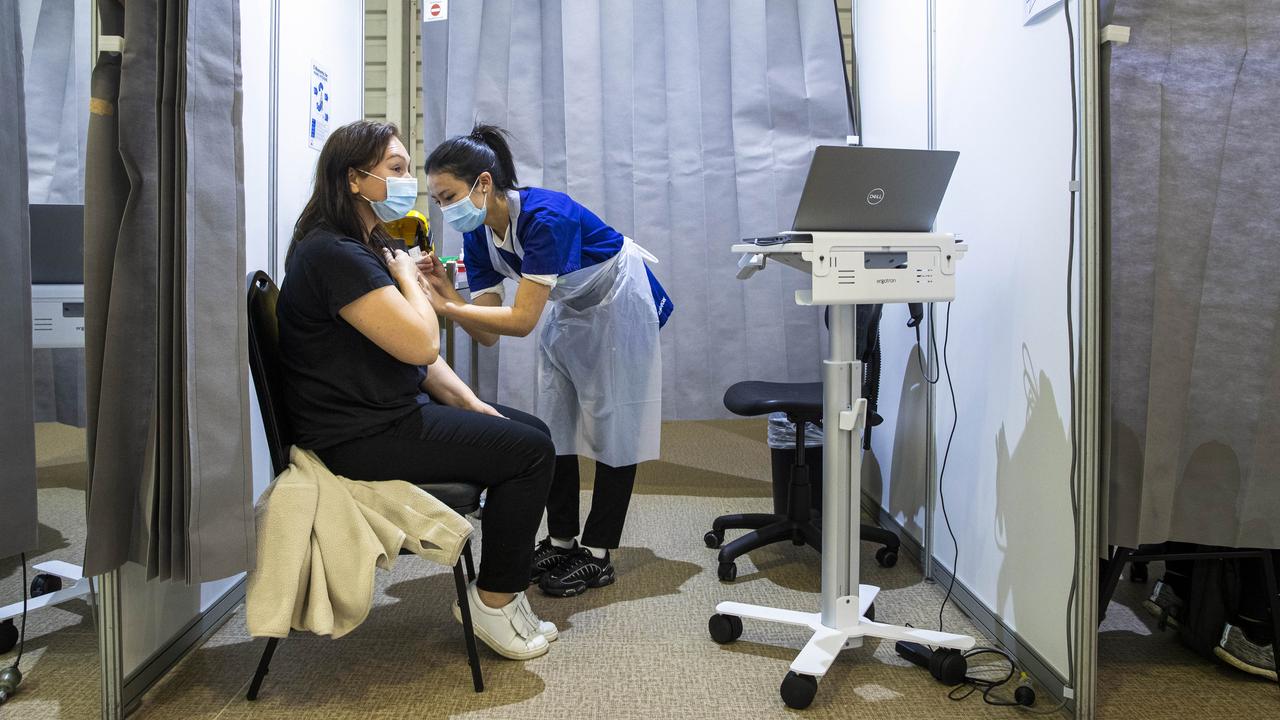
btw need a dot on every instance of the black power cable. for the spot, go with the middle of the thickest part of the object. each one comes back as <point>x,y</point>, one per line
<point>942,472</point>
<point>11,677</point>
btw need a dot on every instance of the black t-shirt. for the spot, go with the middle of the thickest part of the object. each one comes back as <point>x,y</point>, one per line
<point>339,385</point>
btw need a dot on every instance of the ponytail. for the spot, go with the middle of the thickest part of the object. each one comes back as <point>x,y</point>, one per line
<point>466,156</point>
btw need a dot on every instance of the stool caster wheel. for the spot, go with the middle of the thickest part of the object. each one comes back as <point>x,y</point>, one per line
<point>798,690</point>
<point>727,571</point>
<point>43,584</point>
<point>713,539</point>
<point>8,636</point>
<point>1138,572</point>
<point>887,557</point>
<point>871,612</point>
<point>724,629</point>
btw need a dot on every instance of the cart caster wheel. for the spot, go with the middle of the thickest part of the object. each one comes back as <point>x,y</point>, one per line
<point>8,636</point>
<point>713,539</point>
<point>871,612</point>
<point>798,690</point>
<point>1138,572</point>
<point>43,584</point>
<point>886,557</point>
<point>728,572</point>
<point>725,629</point>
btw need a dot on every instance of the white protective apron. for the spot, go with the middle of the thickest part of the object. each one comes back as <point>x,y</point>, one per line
<point>599,360</point>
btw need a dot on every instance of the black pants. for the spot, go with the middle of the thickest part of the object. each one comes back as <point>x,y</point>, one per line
<point>513,458</point>
<point>609,502</point>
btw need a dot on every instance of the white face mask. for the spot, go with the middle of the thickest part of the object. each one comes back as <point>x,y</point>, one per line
<point>463,215</point>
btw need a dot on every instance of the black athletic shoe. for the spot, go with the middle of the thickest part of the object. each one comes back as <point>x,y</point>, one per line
<point>579,571</point>
<point>546,557</point>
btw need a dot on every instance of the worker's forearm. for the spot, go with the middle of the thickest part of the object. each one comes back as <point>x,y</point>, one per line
<point>501,320</point>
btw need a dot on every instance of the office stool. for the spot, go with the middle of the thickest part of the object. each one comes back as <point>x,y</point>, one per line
<point>802,403</point>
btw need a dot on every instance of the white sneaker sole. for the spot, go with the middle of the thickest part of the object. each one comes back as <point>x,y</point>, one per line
<point>1243,666</point>
<point>457,615</point>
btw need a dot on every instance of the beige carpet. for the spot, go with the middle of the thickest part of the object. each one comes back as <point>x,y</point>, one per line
<point>60,667</point>
<point>637,649</point>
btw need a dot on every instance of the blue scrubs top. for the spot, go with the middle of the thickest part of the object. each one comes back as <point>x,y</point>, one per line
<point>557,236</point>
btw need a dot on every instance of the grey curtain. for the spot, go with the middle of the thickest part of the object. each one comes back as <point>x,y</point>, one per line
<point>1193,345</point>
<point>170,480</point>
<point>17,431</point>
<point>57,87</point>
<point>685,125</point>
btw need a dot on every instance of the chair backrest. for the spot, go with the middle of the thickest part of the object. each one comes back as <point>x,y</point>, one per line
<point>265,366</point>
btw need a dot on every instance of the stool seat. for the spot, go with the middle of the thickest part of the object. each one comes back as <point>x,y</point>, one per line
<point>801,401</point>
<point>462,498</point>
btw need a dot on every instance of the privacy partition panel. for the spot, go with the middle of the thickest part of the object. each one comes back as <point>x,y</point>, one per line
<point>684,125</point>
<point>170,485</point>
<point>1194,344</point>
<point>17,432</point>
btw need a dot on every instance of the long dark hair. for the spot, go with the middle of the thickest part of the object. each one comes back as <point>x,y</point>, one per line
<point>484,150</point>
<point>360,145</point>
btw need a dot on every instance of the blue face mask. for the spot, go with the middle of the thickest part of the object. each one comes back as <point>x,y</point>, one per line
<point>402,194</point>
<point>463,215</point>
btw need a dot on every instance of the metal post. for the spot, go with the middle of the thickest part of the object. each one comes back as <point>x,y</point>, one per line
<point>110,654</point>
<point>838,462</point>
<point>931,478</point>
<point>1089,405</point>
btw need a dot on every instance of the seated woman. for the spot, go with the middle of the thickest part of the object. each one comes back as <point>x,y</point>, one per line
<point>368,391</point>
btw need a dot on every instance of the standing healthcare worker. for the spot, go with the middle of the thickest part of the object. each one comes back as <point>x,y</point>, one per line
<point>599,361</point>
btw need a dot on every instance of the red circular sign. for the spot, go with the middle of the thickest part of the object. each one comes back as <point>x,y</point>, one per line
<point>435,9</point>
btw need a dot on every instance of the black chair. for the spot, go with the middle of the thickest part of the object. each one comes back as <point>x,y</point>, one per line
<point>797,507</point>
<point>264,364</point>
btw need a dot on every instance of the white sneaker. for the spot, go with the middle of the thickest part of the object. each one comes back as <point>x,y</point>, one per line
<point>512,631</point>
<point>546,628</point>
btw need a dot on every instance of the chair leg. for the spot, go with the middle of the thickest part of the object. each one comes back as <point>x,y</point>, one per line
<point>1111,578</point>
<point>468,631</point>
<point>466,557</point>
<point>750,521</point>
<point>263,665</point>
<point>812,536</point>
<point>767,535</point>
<point>871,533</point>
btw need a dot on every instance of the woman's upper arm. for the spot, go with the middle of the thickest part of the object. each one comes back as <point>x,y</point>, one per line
<point>391,323</point>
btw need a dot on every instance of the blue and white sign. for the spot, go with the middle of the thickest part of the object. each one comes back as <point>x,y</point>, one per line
<point>318,130</point>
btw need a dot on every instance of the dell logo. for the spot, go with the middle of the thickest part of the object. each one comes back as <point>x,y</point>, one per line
<point>875,197</point>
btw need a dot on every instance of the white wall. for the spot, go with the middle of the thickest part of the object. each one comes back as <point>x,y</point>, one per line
<point>893,84</point>
<point>153,614</point>
<point>1002,100</point>
<point>330,33</point>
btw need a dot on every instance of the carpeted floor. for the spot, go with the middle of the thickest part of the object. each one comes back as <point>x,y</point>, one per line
<point>60,667</point>
<point>636,649</point>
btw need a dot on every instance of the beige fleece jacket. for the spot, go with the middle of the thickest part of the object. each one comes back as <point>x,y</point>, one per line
<point>320,537</point>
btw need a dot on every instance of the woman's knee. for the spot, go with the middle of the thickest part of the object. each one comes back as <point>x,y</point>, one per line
<point>526,419</point>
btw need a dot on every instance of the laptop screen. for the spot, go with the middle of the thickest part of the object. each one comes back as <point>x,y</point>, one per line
<point>860,189</point>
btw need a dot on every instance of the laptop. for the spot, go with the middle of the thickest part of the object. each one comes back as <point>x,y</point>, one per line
<point>861,189</point>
